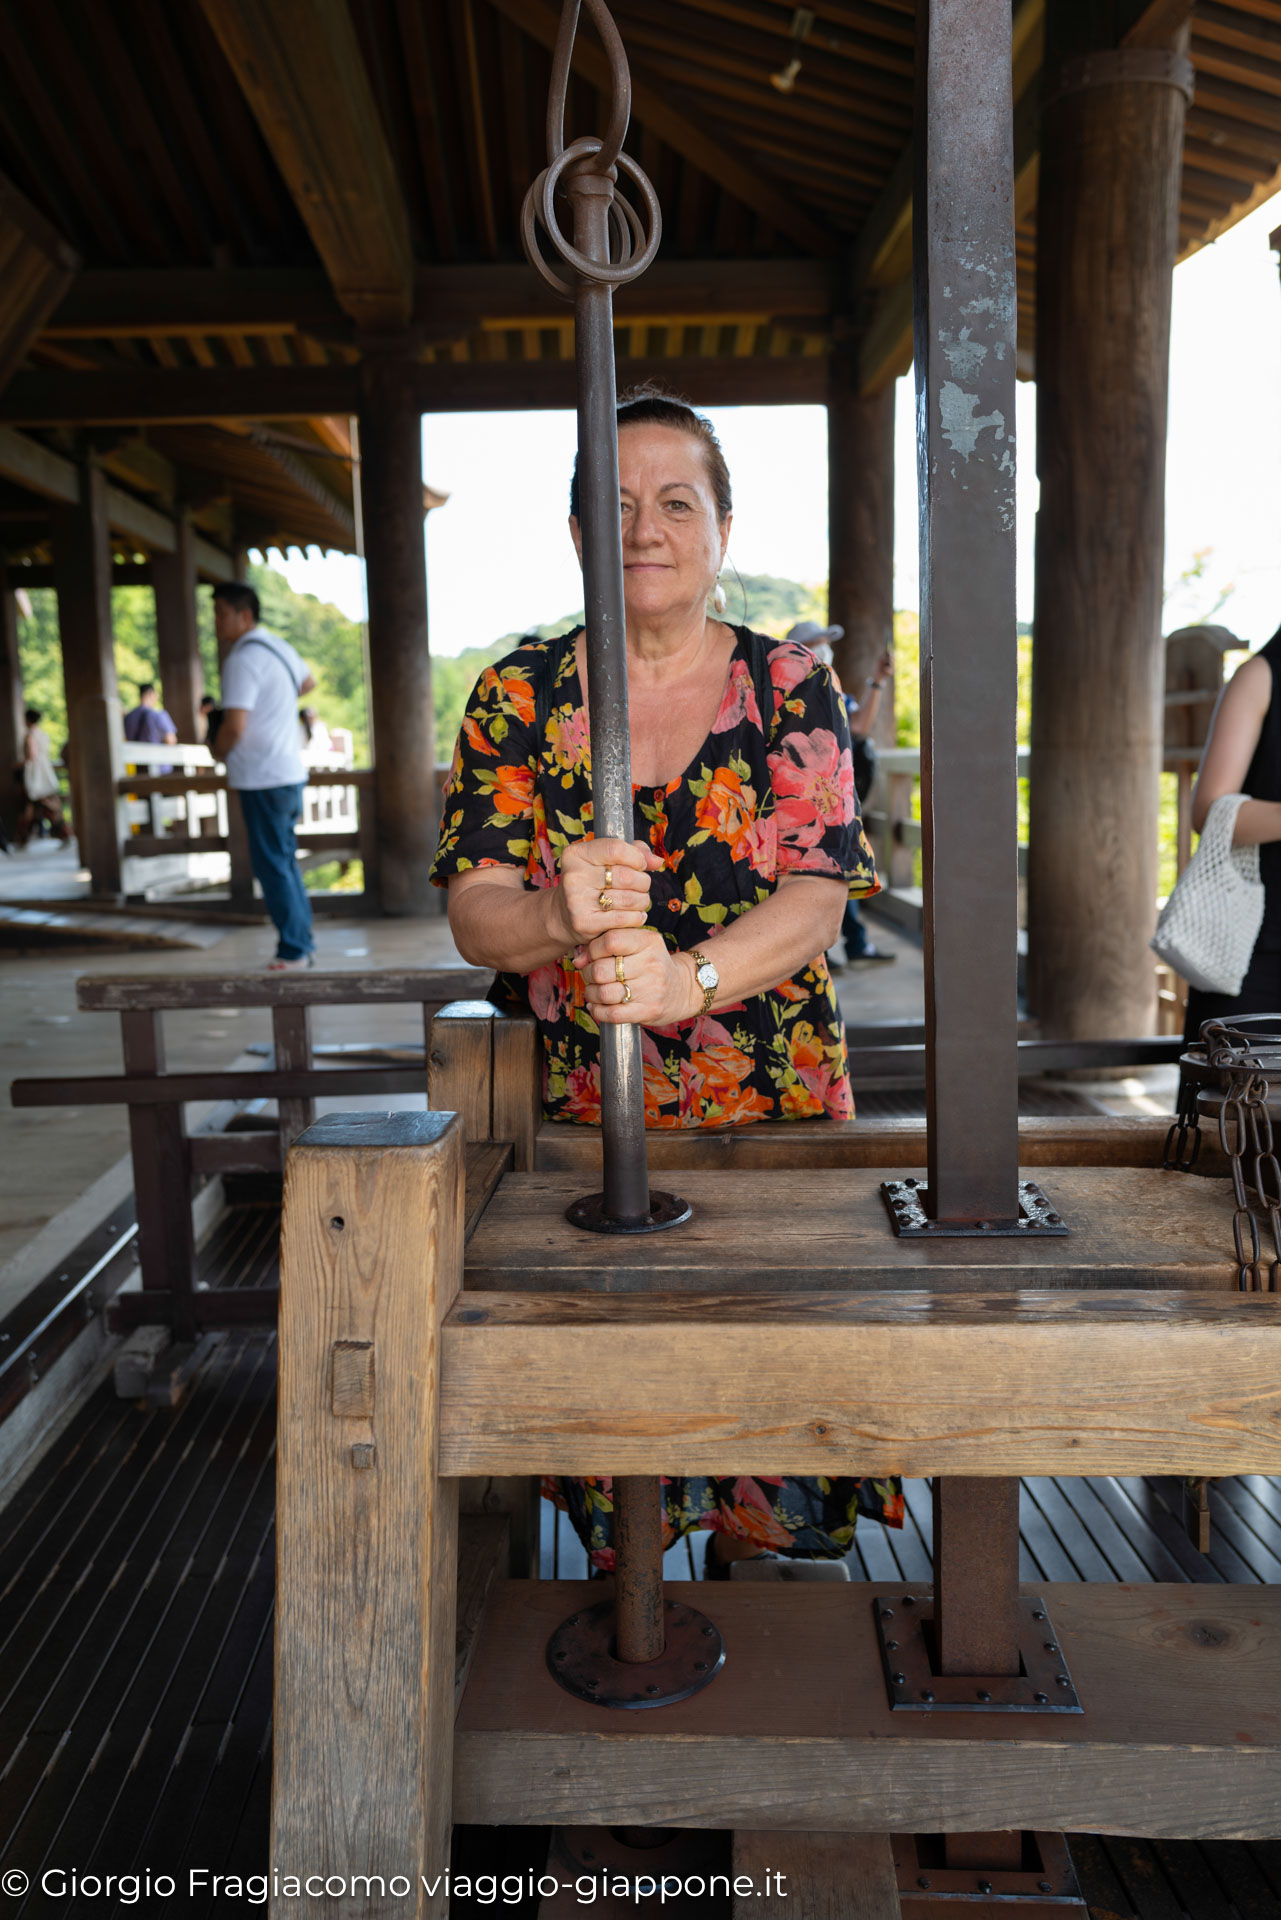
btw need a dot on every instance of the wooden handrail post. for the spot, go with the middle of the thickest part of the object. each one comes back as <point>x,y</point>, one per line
<point>161,1180</point>
<point>291,1043</point>
<point>367,1542</point>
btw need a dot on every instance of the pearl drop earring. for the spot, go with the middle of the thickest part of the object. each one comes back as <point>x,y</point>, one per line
<point>718,597</point>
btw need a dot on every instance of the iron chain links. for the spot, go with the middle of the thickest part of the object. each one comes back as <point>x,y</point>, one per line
<point>1245,1132</point>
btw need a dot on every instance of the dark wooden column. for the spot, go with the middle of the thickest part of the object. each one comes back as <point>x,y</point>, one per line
<point>1107,222</point>
<point>82,578</point>
<point>402,720</point>
<point>11,701</point>
<point>860,510</point>
<point>182,676</point>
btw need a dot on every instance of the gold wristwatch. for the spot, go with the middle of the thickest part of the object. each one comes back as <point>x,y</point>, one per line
<point>707,977</point>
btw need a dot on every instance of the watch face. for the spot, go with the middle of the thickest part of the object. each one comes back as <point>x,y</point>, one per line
<point>707,976</point>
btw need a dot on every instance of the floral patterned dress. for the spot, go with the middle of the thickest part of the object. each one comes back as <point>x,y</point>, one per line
<point>769,793</point>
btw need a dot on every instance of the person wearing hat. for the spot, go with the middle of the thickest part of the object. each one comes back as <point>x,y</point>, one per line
<point>860,948</point>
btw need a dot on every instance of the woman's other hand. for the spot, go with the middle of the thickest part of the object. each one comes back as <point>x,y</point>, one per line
<point>660,983</point>
<point>574,907</point>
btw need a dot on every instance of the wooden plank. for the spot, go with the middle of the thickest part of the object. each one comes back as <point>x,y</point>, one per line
<point>487,1162</point>
<point>348,986</point>
<point>1038,1382</point>
<point>303,74</point>
<point>1103,1140</point>
<point>517,1098</point>
<point>107,1089</point>
<point>483,1546</point>
<point>365,1652</point>
<point>1130,1227</point>
<point>37,468</point>
<point>44,399</point>
<point>460,1065</point>
<point>825,1876</point>
<point>1181,1734</point>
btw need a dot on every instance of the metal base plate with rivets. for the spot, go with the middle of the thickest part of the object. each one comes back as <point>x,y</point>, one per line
<point>580,1655</point>
<point>907,1203</point>
<point>1046,1885</point>
<point>904,1623</point>
<point>665,1210</point>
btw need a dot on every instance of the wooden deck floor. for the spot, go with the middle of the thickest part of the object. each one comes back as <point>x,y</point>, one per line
<point>135,1635</point>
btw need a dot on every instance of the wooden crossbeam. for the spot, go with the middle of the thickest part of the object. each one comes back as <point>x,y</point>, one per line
<point>300,67</point>
<point>1034,1382</point>
<point>659,109</point>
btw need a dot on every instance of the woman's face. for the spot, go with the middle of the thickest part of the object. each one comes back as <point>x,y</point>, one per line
<point>673,541</point>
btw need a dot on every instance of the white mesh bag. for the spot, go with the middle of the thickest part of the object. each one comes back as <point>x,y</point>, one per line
<point>1210,923</point>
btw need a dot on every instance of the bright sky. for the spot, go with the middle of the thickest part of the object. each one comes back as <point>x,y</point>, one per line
<point>498,553</point>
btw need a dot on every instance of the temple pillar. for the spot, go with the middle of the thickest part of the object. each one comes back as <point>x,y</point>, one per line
<point>82,580</point>
<point>182,676</point>
<point>12,728</point>
<point>402,718</point>
<point>860,493</point>
<point>1107,222</point>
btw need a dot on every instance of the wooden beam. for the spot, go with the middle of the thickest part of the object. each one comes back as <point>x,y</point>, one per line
<point>430,986</point>
<point>662,111</point>
<point>829,1876</point>
<point>1158,23</point>
<point>1178,1738</point>
<point>36,268</point>
<point>300,67</point>
<point>212,563</point>
<point>134,397</point>
<point>37,468</point>
<point>1039,1382</point>
<point>448,300</point>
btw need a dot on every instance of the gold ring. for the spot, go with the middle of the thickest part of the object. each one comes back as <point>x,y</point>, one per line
<point>619,975</point>
<point>605,901</point>
<point>627,993</point>
<point>609,876</point>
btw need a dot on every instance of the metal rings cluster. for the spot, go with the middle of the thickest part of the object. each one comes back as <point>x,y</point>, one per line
<point>634,240</point>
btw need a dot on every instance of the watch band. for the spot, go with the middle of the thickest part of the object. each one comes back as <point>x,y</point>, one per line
<point>700,959</point>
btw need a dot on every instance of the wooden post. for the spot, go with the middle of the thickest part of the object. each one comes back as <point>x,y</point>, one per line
<point>291,1042</point>
<point>82,577</point>
<point>371,1260</point>
<point>402,720</point>
<point>182,677</point>
<point>12,726</point>
<point>860,528</point>
<point>161,1181</point>
<point>1107,221</point>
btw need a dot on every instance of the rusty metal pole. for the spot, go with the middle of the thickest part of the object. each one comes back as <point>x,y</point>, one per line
<point>638,1551</point>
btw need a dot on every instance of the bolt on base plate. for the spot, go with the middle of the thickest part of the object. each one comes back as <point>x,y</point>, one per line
<point>1044,1685</point>
<point>907,1203</point>
<point>1045,1888</point>
<point>580,1656</point>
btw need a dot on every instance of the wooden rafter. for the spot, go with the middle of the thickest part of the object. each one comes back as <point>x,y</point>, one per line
<point>36,268</point>
<point>299,65</point>
<point>665,112</point>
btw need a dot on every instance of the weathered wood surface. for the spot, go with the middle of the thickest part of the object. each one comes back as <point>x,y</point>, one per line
<point>1131,1227</point>
<point>367,1532</point>
<point>486,1161</point>
<point>517,1111</point>
<point>1039,1382</point>
<point>1181,1736</point>
<point>822,1876</point>
<point>483,1548</point>
<point>486,1065</point>
<point>349,986</point>
<point>1102,1140</point>
<point>122,1089</point>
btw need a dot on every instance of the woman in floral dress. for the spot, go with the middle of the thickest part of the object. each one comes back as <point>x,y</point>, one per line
<point>748,844</point>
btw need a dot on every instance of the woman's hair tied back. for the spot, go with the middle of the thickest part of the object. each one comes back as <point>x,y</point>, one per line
<point>652,405</point>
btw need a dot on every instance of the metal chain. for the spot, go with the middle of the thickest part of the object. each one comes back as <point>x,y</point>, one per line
<point>1245,1134</point>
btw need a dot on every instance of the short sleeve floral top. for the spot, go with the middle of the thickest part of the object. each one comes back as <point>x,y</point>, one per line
<point>768,794</point>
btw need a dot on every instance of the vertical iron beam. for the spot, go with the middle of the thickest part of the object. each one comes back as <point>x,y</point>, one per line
<point>626,1174</point>
<point>963,225</point>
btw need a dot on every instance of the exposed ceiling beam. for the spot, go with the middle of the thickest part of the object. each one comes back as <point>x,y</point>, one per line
<point>449,301</point>
<point>54,478</point>
<point>663,110</point>
<point>36,268</point>
<point>281,393</point>
<point>1158,23</point>
<point>35,467</point>
<point>300,67</point>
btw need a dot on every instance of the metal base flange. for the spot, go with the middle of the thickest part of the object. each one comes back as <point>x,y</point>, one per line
<point>1043,1686</point>
<point>928,1887</point>
<point>665,1210</point>
<point>907,1203</point>
<point>581,1658</point>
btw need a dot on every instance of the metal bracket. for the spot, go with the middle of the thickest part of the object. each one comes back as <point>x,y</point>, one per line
<point>665,1210</point>
<point>580,1655</point>
<point>907,1200</point>
<point>1043,1686</point>
<point>930,1890</point>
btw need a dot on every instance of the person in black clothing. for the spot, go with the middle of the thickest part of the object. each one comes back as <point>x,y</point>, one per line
<point>1243,755</point>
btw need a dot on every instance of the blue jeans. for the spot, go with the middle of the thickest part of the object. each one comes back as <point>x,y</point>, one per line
<point>271,813</point>
<point>854,931</point>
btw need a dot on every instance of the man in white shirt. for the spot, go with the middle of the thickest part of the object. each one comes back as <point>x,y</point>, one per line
<point>262,681</point>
